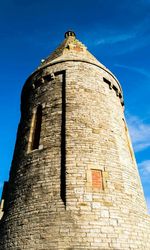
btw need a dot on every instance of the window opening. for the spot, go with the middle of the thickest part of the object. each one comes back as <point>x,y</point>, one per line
<point>35,129</point>
<point>128,141</point>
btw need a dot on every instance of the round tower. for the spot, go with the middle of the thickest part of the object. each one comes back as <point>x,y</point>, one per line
<point>74,182</point>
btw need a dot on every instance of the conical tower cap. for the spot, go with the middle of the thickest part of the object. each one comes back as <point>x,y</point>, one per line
<point>71,49</point>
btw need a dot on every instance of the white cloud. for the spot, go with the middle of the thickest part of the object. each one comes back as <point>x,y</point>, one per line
<point>144,167</point>
<point>135,69</point>
<point>115,39</point>
<point>140,133</point>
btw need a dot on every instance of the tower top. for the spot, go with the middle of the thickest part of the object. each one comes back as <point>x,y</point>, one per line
<point>70,33</point>
<point>71,49</point>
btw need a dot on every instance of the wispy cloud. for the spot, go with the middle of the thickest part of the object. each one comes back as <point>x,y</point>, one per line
<point>113,39</point>
<point>135,69</point>
<point>140,133</point>
<point>144,167</point>
<point>131,39</point>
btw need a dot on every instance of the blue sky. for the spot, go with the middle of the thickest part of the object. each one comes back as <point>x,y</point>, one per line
<point>116,32</point>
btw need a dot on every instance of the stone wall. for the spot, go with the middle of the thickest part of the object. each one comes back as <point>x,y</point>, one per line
<point>54,200</point>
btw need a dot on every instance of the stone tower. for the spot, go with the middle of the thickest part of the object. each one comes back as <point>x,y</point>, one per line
<point>73,182</point>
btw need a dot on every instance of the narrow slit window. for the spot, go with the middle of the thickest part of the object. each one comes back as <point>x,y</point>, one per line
<point>97,179</point>
<point>35,129</point>
<point>128,141</point>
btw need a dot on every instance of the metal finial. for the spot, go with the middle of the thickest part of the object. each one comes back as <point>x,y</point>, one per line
<point>70,33</point>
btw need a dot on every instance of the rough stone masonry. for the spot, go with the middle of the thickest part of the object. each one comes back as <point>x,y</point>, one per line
<point>73,182</point>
